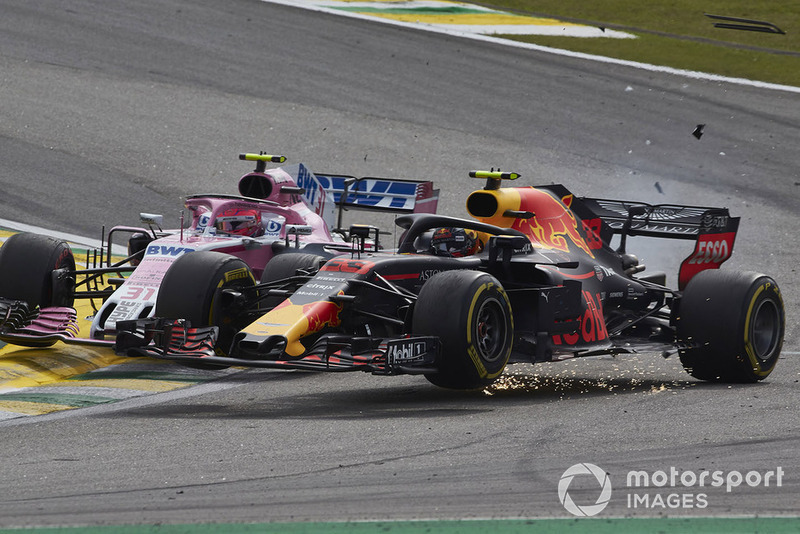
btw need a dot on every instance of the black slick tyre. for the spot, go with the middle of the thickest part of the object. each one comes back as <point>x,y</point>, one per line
<point>27,266</point>
<point>192,289</point>
<point>470,313</point>
<point>731,325</point>
<point>286,265</point>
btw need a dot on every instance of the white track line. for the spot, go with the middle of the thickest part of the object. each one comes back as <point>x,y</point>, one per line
<point>72,238</point>
<point>579,55</point>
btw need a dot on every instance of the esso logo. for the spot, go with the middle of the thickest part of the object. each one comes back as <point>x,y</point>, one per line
<point>711,252</point>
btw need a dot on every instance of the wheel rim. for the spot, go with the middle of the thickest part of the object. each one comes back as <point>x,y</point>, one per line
<point>764,329</point>
<point>490,330</point>
<point>223,317</point>
<point>229,320</point>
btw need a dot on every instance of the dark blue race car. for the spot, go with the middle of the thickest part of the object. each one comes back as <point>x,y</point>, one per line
<point>531,277</point>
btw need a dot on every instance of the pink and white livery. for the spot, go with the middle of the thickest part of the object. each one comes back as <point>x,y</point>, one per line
<point>285,209</point>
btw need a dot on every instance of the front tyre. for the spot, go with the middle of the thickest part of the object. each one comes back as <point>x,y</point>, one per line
<point>192,289</point>
<point>732,324</point>
<point>286,265</point>
<point>37,269</point>
<point>471,315</point>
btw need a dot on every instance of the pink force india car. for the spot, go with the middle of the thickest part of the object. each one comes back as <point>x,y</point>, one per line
<point>278,210</point>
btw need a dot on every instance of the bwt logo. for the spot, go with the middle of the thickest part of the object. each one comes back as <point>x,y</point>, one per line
<point>314,187</point>
<point>582,470</point>
<point>163,250</point>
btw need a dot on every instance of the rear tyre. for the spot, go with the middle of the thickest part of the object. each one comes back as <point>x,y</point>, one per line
<point>29,270</point>
<point>470,313</point>
<point>192,289</point>
<point>734,322</point>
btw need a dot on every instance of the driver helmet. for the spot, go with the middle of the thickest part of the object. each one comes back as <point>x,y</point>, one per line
<point>236,221</point>
<point>455,242</point>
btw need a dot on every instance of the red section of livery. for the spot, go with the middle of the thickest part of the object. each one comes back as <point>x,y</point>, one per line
<point>427,198</point>
<point>350,266</point>
<point>552,222</point>
<point>592,323</point>
<point>710,251</point>
<point>321,314</point>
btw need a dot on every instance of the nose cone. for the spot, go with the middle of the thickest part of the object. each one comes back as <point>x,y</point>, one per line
<point>254,346</point>
<point>287,324</point>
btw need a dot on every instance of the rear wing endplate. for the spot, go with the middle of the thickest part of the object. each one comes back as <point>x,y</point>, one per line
<point>325,193</point>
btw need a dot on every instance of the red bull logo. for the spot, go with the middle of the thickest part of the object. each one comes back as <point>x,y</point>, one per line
<point>592,324</point>
<point>296,321</point>
<point>553,222</point>
<point>321,314</point>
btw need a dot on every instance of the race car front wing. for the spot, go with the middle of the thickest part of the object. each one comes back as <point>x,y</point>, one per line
<point>177,340</point>
<point>37,327</point>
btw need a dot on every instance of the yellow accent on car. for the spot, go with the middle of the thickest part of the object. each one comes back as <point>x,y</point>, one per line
<point>238,274</point>
<point>748,346</point>
<point>267,158</point>
<point>494,175</point>
<point>471,352</point>
<point>288,321</point>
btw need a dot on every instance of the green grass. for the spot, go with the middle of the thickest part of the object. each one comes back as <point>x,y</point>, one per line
<point>678,34</point>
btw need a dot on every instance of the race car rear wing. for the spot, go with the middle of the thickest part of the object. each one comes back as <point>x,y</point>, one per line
<point>325,193</point>
<point>712,229</point>
<point>658,220</point>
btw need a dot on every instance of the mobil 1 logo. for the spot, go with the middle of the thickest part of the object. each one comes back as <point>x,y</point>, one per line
<point>404,351</point>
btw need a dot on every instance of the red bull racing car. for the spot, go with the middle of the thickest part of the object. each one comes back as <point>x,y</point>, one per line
<point>281,209</point>
<point>532,277</point>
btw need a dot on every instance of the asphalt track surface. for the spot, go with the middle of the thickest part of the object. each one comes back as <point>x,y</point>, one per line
<point>109,109</point>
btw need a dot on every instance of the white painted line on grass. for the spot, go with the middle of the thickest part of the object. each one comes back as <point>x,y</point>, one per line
<point>567,53</point>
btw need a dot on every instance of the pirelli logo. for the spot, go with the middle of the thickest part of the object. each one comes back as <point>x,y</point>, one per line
<point>237,274</point>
